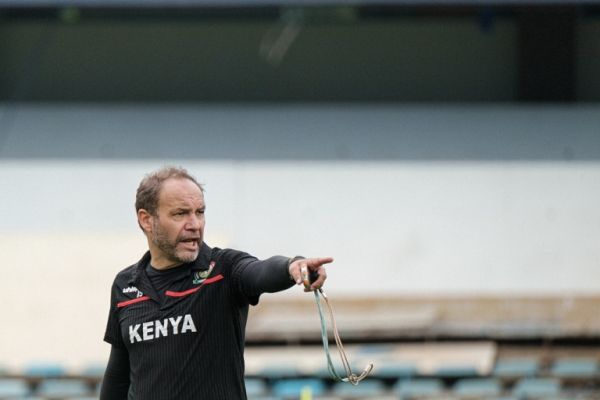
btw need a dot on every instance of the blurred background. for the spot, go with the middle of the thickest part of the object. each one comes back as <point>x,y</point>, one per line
<point>445,153</point>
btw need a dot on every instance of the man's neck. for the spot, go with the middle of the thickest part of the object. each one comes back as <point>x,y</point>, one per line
<point>161,263</point>
<point>164,267</point>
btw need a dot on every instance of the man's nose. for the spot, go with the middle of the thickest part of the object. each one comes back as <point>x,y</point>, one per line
<point>194,223</point>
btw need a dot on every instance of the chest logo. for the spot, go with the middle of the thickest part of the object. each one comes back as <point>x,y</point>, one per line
<point>133,289</point>
<point>201,276</point>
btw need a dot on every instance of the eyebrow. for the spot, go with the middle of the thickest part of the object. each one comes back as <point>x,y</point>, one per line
<point>176,209</point>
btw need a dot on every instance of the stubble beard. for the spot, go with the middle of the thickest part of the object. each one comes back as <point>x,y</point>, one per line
<point>169,247</point>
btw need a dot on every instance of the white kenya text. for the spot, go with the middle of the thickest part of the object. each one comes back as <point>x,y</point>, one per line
<point>155,329</point>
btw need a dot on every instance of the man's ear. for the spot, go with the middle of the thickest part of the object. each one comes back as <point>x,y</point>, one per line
<point>145,220</point>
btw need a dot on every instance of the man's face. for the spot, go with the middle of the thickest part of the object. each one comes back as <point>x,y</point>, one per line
<point>176,232</point>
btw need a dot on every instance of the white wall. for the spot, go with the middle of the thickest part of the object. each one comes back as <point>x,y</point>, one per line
<point>410,200</point>
<point>394,228</point>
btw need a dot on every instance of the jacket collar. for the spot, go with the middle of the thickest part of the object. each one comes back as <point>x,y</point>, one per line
<point>201,263</point>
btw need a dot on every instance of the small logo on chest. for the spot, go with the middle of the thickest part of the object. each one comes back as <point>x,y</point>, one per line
<point>201,276</point>
<point>133,289</point>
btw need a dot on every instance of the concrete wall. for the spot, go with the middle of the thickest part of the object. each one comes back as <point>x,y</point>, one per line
<point>517,216</point>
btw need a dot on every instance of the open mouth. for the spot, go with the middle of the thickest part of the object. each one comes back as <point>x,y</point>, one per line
<point>191,244</point>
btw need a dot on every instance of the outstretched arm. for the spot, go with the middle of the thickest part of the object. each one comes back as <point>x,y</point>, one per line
<point>279,273</point>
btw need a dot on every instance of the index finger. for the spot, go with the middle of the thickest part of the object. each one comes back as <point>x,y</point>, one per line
<point>317,262</point>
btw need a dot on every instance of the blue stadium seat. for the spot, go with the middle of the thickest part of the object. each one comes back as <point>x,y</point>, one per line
<point>255,387</point>
<point>477,387</point>
<point>63,388</point>
<point>396,369</point>
<point>574,368</point>
<point>82,398</point>
<point>14,388</point>
<point>456,371</point>
<point>529,388</point>
<point>369,387</point>
<point>324,371</point>
<point>502,398</point>
<point>332,397</point>
<point>516,368</point>
<point>294,387</point>
<point>419,387</point>
<point>264,398</point>
<point>94,371</point>
<point>279,371</point>
<point>97,388</point>
<point>44,370</point>
<point>30,398</point>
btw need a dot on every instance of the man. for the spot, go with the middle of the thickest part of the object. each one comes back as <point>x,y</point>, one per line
<point>178,316</point>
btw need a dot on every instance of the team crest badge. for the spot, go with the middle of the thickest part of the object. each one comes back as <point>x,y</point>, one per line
<point>201,276</point>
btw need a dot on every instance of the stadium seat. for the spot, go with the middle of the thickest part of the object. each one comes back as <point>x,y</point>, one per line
<point>98,388</point>
<point>30,398</point>
<point>455,371</point>
<point>54,388</point>
<point>501,398</point>
<point>378,397</point>
<point>13,388</point>
<point>279,371</point>
<point>477,388</point>
<point>255,387</point>
<point>533,388</point>
<point>94,371</point>
<point>328,398</point>
<point>367,388</point>
<point>516,368</point>
<point>82,398</point>
<point>325,374</point>
<point>420,387</point>
<point>294,387</point>
<point>574,368</point>
<point>44,370</point>
<point>395,370</point>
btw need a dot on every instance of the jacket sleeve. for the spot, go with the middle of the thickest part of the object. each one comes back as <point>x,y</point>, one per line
<point>266,276</point>
<point>115,384</point>
<point>253,277</point>
<point>112,333</point>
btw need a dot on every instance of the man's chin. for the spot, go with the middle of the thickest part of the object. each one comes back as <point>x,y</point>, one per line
<point>188,256</point>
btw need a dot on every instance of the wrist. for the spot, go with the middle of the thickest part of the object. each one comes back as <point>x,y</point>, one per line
<point>291,260</point>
